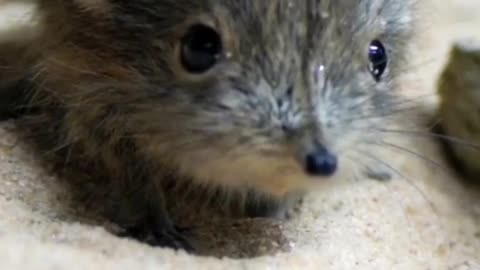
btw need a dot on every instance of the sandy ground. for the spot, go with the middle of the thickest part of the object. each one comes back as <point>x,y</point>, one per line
<point>424,219</point>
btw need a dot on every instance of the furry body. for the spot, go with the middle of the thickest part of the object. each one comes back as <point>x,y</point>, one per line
<point>111,96</point>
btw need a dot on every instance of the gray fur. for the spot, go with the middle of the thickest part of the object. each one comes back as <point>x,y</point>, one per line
<point>111,88</point>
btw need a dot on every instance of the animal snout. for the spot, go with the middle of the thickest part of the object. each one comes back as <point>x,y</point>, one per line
<point>320,162</point>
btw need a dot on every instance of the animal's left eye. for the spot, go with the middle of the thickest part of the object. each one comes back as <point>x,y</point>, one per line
<point>201,48</point>
<point>378,59</point>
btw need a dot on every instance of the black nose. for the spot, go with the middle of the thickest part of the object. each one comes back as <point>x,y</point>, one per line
<point>321,163</point>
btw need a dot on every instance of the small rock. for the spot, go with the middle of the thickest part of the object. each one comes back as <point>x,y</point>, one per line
<point>459,111</point>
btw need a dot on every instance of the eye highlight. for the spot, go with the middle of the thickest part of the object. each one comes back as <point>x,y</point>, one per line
<point>377,55</point>
<point>201,48</point>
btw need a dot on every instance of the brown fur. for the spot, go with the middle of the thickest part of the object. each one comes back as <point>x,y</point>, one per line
<point>113,98</point>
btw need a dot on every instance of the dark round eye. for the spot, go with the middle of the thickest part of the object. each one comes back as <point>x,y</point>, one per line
<point>201,48</point>
<point>378,59</point>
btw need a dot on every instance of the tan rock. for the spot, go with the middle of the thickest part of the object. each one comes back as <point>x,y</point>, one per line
<point>459,111</point>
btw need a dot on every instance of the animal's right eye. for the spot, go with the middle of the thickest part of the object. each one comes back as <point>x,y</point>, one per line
<point>378,59</point>
<point>201,48</point>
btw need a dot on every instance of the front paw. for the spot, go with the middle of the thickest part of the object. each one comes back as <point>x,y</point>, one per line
<point>279,209</point>
<point>290,209</point>
<point>379,173</point>
<point>171,237</point>
<point>160,236</point>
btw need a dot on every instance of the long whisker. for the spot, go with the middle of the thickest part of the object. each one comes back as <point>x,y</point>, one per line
<point>356,162</point>
<point>407,179</point>
<point>395,108</point>
<point>387,187</point>
<point>413,153</point>
<point>426,134</point>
